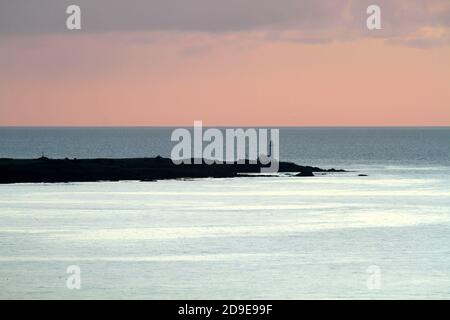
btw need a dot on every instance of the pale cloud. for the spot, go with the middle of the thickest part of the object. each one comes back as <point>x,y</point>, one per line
<point>424,37</point>
<point>404,22</point>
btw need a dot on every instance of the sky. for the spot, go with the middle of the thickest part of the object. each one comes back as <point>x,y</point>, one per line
<point>226,63</point>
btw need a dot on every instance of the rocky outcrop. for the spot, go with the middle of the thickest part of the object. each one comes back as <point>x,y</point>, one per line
<point>144,169</point>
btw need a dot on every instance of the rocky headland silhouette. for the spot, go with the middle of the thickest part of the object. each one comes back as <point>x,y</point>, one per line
<point>44,169</point>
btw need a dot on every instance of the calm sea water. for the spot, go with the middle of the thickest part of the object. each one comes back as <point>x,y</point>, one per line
<point>253,238</point>
<point>317,146</point>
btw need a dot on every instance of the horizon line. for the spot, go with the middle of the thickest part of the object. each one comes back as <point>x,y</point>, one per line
<point>220,126</point>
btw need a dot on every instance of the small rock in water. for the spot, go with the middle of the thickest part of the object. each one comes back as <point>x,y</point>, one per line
<point>305,174</point>
<point>362,175</point>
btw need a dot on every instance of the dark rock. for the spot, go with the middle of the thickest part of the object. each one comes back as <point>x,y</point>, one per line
<point>143,169</point>
<point>305,174</point>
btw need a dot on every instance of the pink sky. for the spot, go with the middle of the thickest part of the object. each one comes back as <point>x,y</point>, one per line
<point>242,78</point>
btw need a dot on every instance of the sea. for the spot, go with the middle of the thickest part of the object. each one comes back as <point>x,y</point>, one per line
<point>379,231</point>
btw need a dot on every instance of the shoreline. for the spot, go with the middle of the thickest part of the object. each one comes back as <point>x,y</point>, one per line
<point>45,170</point>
